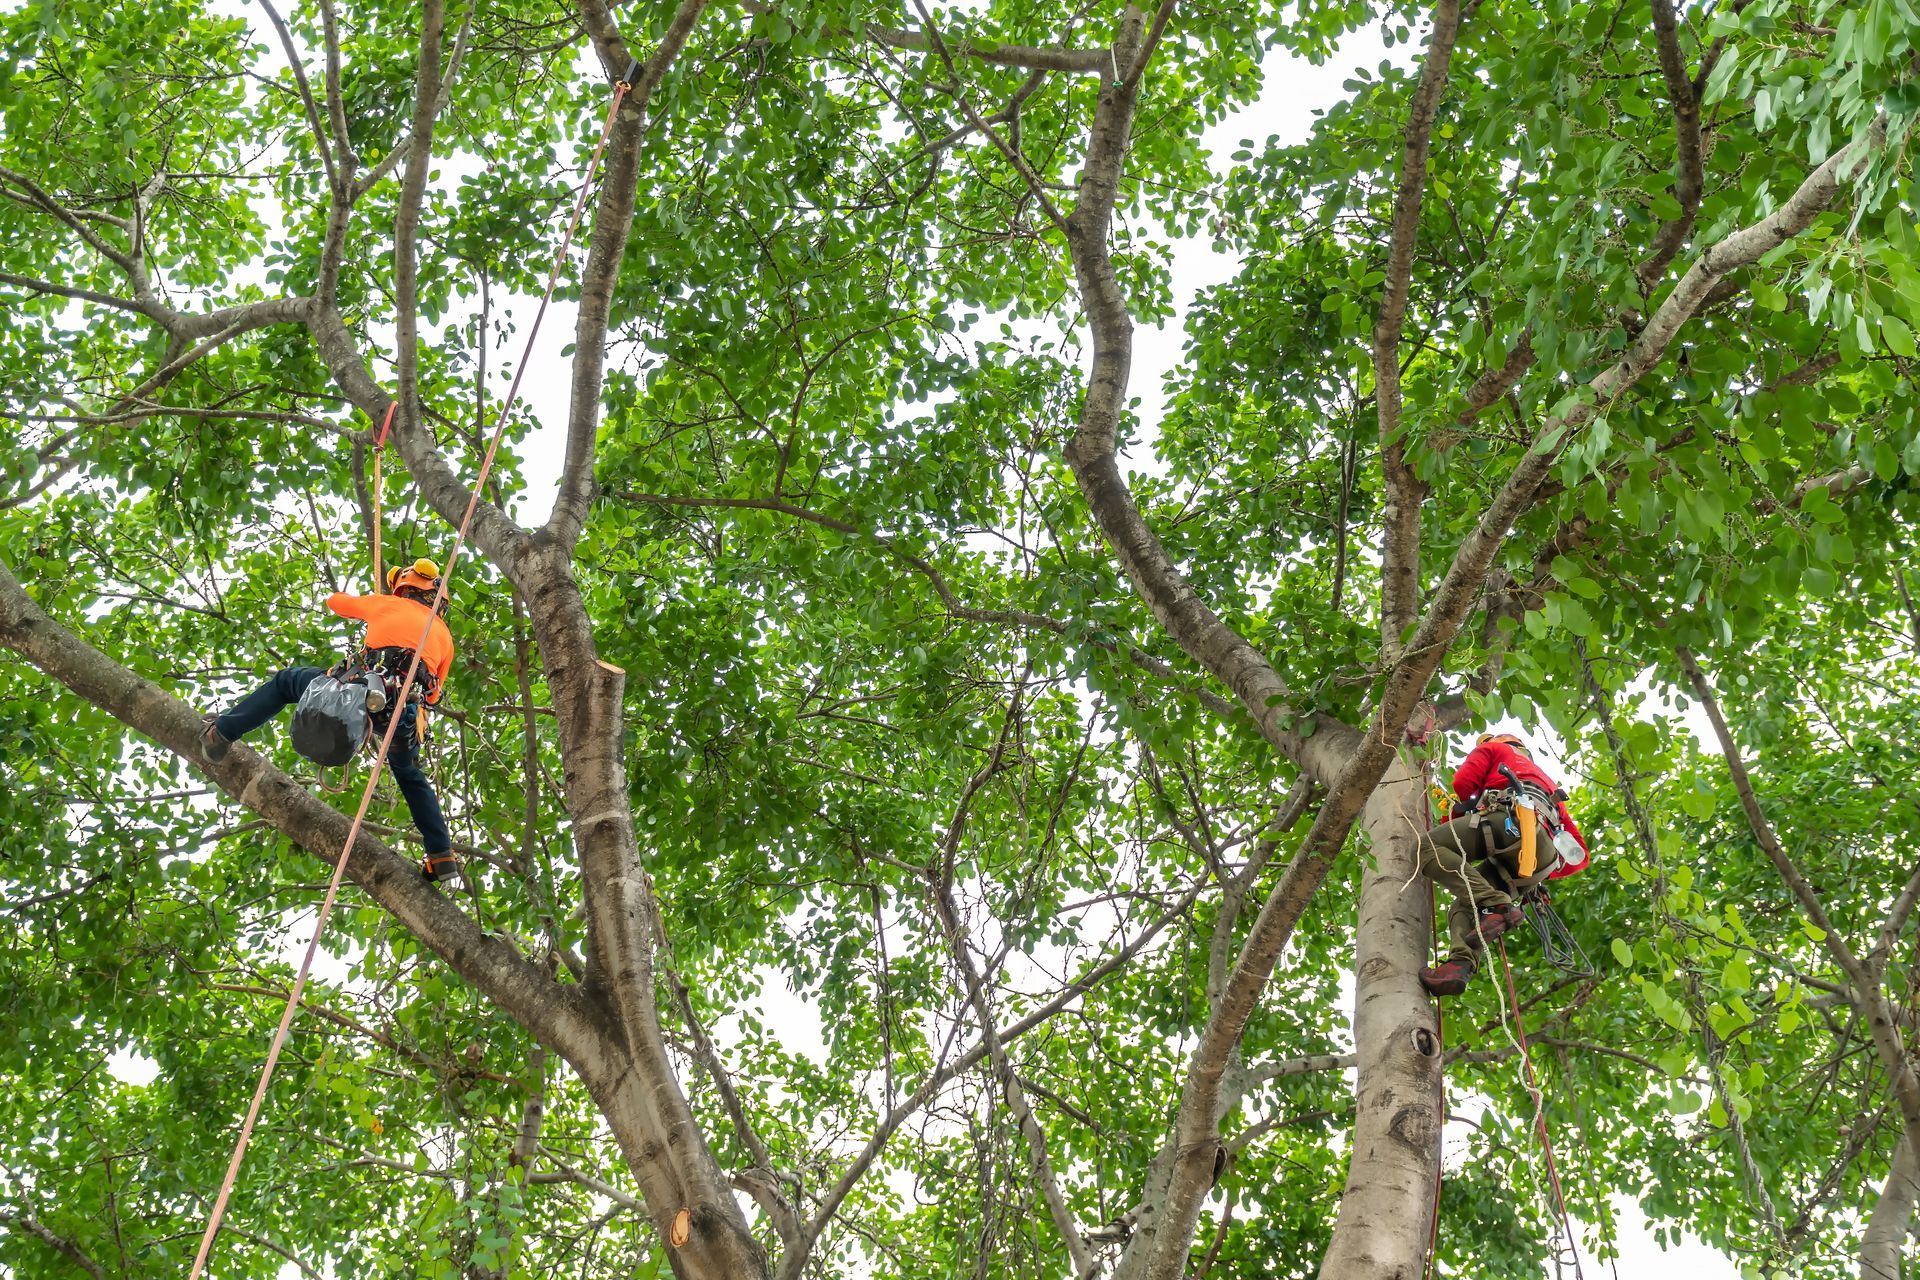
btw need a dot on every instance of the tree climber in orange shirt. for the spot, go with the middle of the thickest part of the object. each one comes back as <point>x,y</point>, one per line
<point>394,623</point>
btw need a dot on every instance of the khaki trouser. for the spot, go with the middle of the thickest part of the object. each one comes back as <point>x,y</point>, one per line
<point>1446,858</point>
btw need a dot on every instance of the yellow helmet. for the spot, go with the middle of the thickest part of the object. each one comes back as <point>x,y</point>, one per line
<point>1508,738</point>
<point>422,575</point>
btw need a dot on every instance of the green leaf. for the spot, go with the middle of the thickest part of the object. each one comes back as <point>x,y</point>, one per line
<point>1736,976</point>
<point>1721,76</point>
<point>1897,335</point>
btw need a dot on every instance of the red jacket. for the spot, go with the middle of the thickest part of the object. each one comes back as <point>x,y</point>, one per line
<point>1480,771</point>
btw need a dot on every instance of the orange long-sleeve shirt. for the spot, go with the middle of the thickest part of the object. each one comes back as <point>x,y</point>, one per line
<point>395,623</point>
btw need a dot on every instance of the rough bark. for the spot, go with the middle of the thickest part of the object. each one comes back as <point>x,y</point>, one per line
<point>1399,1112</point>
<point>1402,491</point>
<point>1688,176</point>
<point>1882,1244</point>
<point>664,1144</point>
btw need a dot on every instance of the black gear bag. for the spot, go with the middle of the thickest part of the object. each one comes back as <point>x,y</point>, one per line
<point>331,724</point>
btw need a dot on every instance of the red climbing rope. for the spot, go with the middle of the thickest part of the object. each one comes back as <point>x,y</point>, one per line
<point>380,758</point>
<point>1539,1110</point>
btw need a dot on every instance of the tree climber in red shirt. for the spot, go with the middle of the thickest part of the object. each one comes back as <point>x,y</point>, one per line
<point>394,623</point>
<point>1481,857</point>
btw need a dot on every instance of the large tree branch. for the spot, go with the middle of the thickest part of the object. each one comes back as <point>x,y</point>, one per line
<point>492,530</point>
<point>1188,619</point>
<point>1403,490</point>
<point>612,224</point>
<point>552,1012</point>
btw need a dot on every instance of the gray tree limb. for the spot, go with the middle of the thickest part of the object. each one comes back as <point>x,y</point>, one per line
<point>612,224</point>
<point>1403,490</point>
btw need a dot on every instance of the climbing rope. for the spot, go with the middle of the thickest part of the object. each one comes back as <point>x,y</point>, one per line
<point>621,87</point>
<point>1564,1224</point>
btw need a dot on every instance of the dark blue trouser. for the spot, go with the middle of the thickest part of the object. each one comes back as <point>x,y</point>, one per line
<point>403,757</point>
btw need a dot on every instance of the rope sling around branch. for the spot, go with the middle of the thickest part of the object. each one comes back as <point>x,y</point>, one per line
<point>620,90</point>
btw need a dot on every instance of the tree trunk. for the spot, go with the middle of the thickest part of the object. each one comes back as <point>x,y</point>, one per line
<point>1386,1209</point>
<point>669,1157</point>
<point>638,1091</point>
<point>1882,1244</point>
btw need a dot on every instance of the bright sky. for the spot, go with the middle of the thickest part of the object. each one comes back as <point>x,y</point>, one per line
<point>1295,89</point>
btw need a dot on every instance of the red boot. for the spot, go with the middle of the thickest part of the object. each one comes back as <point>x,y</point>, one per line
<point>1497,922</point>
<point>1448,978</point>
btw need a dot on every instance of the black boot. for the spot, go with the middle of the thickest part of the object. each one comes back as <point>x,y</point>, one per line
<point>446,868</point>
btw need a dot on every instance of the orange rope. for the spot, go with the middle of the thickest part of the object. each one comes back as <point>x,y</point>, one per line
<point>393,722</point>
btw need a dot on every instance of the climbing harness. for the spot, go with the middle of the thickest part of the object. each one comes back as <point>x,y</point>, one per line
<point>620,90</point>
<point>1518,812</point>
